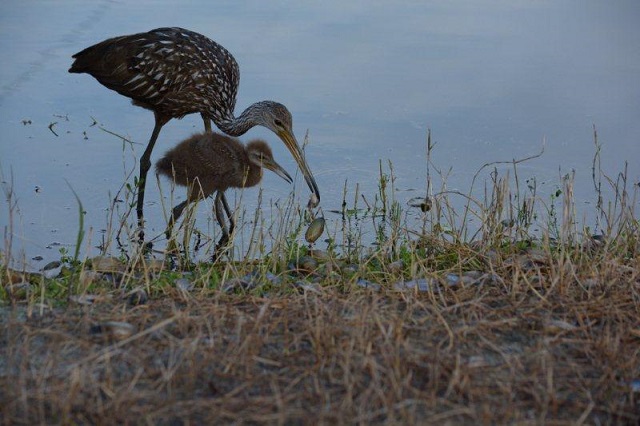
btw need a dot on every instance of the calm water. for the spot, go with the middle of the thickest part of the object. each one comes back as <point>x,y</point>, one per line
<point>492,79</point>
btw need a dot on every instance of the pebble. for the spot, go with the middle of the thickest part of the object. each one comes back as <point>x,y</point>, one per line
<point>396,266</point>
<point>456,279</point>
<point>137,297</point>
<point>19,290</point>
<point>320,255</point>
<point>184,284</point>
<point>312,287</point>
<point>237,283</point>
<point>421,284</point>
<point>52,269</point>
<point>107,264</point>
<point>368,285</point>
<point>85,299</point>
<point>87,277</point>
<point>113,330</point>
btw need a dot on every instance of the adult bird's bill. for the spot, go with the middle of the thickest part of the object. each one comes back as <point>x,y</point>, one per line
<point>291,143</point>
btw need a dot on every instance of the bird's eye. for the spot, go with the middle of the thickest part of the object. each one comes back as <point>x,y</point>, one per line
<point>278,123</point>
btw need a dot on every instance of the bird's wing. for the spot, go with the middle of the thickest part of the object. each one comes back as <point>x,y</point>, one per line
<point>220,159</point>
<point>172,70</point>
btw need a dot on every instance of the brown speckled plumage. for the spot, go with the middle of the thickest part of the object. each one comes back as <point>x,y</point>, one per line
<point>175,72</point>
<point>210,162</point>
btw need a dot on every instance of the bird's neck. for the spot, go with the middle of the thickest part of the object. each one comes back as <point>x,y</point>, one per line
<point>254,176</point>
<point>237,126</point>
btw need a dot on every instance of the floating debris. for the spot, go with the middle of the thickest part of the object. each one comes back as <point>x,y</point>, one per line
<point>315,230</point>
<point>424,204</point>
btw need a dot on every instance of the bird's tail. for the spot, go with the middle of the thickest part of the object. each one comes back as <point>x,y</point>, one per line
<point>93,57</point>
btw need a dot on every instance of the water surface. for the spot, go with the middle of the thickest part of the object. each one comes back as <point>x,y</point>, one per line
<point>491,79</point>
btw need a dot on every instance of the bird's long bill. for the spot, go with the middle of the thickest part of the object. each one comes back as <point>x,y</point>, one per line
<point>291,143</point>
<point>270,164</point>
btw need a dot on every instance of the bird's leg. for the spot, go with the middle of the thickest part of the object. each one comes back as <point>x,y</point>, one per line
<point>229,214</point>
<point>145,165</point>
<point>220,208</point>
<point>207,123</point>
<point>175,214</point>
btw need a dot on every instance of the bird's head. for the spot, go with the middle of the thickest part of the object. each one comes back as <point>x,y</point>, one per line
<point>277,118</point>
<point>260,155</point>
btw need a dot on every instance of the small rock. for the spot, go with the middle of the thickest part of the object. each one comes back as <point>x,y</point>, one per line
<point>237,283</point>
<point>19,290</point>
<point>421,284</point>
<point>307,263</point>
<point>52,265</point>
<point>107,264</point>
<point>488,279</point>
<point>455,280</point>
<point>137,297</point>
<point>320,255</point>
<point>86,299</point>
<point>312,287</point>
<point>396,266</point>
<point>473,274</point>
<point>184,284</point>
<point>113,330</point>
<point>154,265</point>
<point>368,285</point>
<point>349,269</point>
<point>88,277</point>
<point>272,278</point>
<point>52,269</point>
<point>556,326</point>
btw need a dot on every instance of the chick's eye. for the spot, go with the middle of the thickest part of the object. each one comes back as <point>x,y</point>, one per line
<point>277,122</point>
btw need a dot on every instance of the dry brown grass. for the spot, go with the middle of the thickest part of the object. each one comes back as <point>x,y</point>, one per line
<point>553,341</point>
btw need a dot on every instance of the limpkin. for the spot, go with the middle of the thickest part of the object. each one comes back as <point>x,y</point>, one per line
<point>174,72</point>
<point>211,162</point>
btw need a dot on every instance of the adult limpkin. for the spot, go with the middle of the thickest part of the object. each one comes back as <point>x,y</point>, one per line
<point>210,162</point>
<point>174,72</point>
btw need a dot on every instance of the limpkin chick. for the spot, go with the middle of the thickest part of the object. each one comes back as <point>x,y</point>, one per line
<point>211,162</point>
